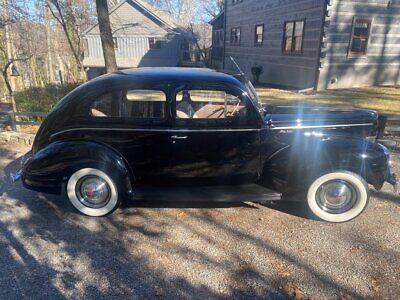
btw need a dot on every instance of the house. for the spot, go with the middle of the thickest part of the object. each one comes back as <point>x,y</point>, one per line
<point>320,44</point>
<point>218,37</point>
<point>144,36</point>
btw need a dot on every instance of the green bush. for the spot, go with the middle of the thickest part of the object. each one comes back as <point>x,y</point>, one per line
<point>41,99</point>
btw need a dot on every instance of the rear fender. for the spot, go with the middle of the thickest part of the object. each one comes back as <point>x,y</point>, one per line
<point>56,162</point>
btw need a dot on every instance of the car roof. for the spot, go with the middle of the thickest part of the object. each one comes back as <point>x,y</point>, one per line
<point>176,74</point>
<point>159,74</point>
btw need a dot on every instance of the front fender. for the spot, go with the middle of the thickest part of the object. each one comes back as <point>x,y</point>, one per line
<point>48,168</point>
<point>300,163</point>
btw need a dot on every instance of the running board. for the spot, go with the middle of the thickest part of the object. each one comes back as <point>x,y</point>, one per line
<point>233,193</point>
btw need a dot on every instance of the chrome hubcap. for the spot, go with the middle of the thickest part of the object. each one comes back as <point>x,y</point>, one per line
<point>93,191</point>
<point>336,196</point>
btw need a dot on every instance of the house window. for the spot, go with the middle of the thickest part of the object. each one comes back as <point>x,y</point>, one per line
<point>218,37</point>
<point>154,43</point>
<point>259,35</point>
<point>293,37</point>
<point>360,36</point>
<point>235,35</point>
<point>236,1</point>
<point>115,41</point>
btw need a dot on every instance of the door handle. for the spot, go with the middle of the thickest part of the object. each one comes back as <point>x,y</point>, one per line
<point>179,137</point>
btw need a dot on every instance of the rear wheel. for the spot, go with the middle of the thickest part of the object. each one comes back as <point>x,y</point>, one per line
<point>92,192</point>
<point>338,196</point>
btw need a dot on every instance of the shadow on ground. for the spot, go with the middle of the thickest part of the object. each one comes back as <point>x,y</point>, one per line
<point>145,250</point>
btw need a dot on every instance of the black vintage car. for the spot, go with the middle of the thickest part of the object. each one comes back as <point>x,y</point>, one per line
<point>197,134</point>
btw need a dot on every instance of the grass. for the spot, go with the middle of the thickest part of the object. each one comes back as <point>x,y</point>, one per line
<point>385,100</point>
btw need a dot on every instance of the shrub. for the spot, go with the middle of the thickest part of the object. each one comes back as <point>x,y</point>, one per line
<point>38,99</point>
<point>256,71</point>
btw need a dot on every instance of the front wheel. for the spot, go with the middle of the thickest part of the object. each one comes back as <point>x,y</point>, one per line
<point>338,196</point>
<point>92,192</point>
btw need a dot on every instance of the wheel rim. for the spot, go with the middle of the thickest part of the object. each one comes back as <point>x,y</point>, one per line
<point>336,196</point>
<point>93,191</point>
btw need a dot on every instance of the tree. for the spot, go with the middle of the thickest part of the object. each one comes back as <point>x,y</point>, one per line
<point>190,11</point>
<point>64,13</point>
<point>106,36</point>
<point>10,13</point>
<point>211,8</point>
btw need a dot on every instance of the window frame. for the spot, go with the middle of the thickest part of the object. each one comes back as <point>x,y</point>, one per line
<point>122,103</point>
<point>156,43</point>
<point>364,53</point>
<point>256,35</point>
<point>220,34</point>
<point>232,41</point>
<point>224,123</point>
<point>293,38</point>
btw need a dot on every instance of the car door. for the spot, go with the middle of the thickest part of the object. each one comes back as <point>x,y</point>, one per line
<point>135,121</point>
<point>214,136</point>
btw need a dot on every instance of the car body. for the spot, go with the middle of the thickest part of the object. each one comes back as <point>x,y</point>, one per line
<point>198,129</point>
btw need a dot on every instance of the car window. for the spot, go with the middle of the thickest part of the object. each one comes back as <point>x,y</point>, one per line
<point>208,104</point>
<point>147,104</point>
<point>137,104</point>
<point>107,105</point>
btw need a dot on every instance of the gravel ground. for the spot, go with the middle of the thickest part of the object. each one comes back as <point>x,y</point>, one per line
<point>186,250</point>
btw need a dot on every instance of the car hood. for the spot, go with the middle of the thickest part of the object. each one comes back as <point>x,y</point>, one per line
<point>307,117</point>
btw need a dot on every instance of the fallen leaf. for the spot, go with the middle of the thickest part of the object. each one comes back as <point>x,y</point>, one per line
<point>181,215</point>
<point>294,291</point>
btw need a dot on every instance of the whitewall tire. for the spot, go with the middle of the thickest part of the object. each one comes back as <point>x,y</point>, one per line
<point>338,196</point>
<point>92,192</point>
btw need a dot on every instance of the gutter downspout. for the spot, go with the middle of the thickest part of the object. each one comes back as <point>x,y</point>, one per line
<point>317,71</point>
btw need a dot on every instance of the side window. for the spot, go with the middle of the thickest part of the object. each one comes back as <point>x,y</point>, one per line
<point>209,104</point>
<point>136,104</point>
<point>145,104</point>
<point>107,105</point>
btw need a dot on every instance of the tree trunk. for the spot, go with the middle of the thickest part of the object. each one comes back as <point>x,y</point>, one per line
<point>8,81</point>
<point>106,36</point>
<point>50,68</point>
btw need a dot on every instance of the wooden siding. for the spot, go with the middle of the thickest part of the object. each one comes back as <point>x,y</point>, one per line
<point>132,27</point>
<point>381,64</point>
<point>296,71</point>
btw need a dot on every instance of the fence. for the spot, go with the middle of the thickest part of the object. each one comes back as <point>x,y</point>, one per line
<point>14,121</point>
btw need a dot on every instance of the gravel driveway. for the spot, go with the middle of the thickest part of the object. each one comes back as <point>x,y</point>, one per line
<point>186,250</point>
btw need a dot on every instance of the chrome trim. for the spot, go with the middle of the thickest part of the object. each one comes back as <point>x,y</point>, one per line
<point>154,130</point>
<point>16,176</point>
<point>176,137</point>
<point>320,126</point>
